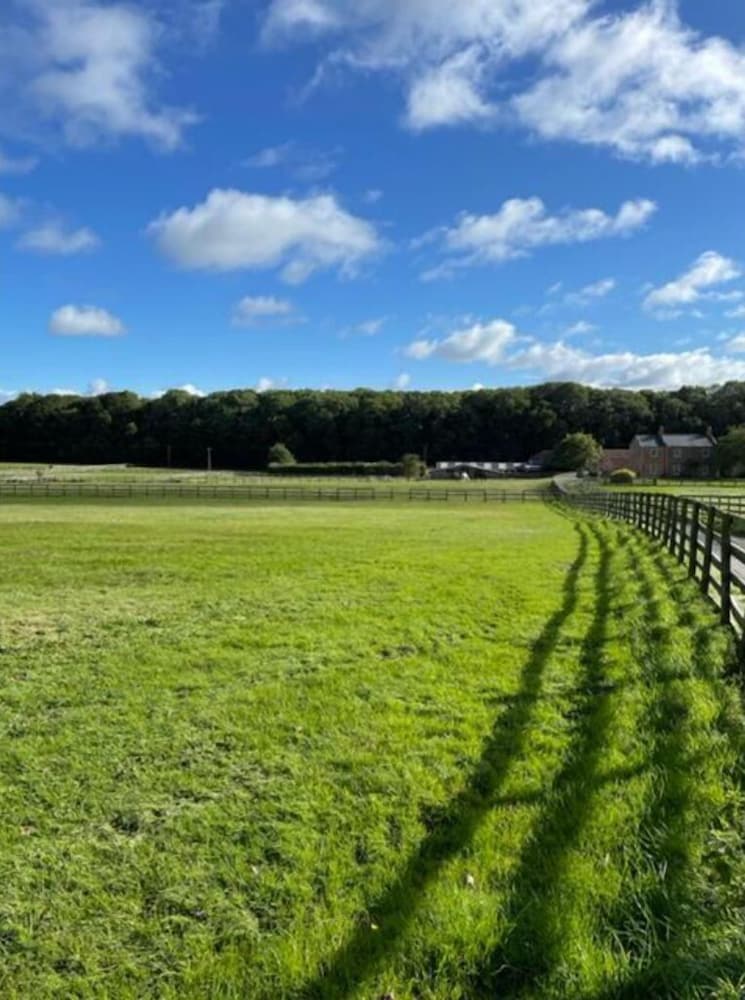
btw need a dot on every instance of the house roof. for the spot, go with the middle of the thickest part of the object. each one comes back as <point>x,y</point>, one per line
<point>687,440</point>
<point>674,440</point>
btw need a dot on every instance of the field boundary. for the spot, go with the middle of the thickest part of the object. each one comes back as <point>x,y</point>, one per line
<point>231,491</point>
<point>705,536</point>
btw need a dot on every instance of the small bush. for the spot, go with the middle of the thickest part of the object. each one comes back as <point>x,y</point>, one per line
<point>623,477</point>
<point>412,466</point>
<point>280,454</point>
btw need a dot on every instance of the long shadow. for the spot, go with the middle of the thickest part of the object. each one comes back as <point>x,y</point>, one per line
<point>454,827</point>
<point>665,958</point>
<point>531,946</point>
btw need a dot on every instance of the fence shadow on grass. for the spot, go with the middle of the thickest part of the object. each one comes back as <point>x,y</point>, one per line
<point>674,962</point>
<point>532,946</point>
<point>457,823</point>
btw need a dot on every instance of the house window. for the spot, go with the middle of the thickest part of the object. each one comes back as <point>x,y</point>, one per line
<point>654,452</point>
<point>677,452</point>
<point>676,469</point>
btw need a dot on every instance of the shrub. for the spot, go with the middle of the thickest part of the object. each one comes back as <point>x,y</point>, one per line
<point>412,466</point>
<point>280,454</point>
<point>622,477</point>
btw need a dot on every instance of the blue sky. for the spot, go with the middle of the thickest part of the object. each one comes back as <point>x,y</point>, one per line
<point>391,193</point>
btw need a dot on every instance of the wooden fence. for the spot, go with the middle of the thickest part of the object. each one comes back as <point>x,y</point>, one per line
<point>705,537</point>
<point>217,491</point>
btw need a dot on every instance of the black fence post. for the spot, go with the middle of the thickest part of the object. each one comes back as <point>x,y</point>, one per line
<point>693,554</point>
<point>726,554</point>
<point>708,547</point>
<point>683,520</point>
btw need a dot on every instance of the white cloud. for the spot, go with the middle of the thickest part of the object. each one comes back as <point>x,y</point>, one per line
<point>252,310</point>
<point>579,329</point>
<point>736,343</point>
<point>643,84</point>
<point>737,313</point>
<point>372,196</point>
<point>266,384</point>
<point>368,328</point>
<point>6,395</point>
<point>86,69</point>
<point>485,342</point>
<point>448,94</point>
<point>637,81</point>
<point>308,165</point>
<point>53,238</point>
<point>98,386</point>
<point>708,271</point>
<point>403,381</point>
<point>522,225</point>
<point>498,344</point>
<point>192,390</point>
<point>591,293</point>
<point>233,230</point>
<point>85,321</point>
<point>17,165</point>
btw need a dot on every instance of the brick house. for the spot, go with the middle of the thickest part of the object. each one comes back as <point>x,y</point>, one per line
<point>615,458</point>
<point>673,456</point>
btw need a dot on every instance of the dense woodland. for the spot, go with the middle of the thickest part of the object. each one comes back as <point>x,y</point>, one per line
<point>364,425</point>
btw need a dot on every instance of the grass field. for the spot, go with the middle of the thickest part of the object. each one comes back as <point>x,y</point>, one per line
<point>322,752</point>
<point>18,472</point>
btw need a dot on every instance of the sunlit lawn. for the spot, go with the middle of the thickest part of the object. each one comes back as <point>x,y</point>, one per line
<point>294,752</point>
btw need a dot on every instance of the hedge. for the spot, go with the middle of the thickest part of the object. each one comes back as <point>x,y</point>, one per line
<point>337,469</point>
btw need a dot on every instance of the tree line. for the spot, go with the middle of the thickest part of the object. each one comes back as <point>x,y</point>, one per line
<point>363,425</point>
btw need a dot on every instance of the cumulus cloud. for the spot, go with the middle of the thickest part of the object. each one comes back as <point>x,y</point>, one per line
<point>403,381</point>
<point>448,94</point>
<point>53,238</point>
<point>638,81</point>
<point>708,271</point>
<point>6,395</point>
<point>86,69</point>
<point>524,224</point>
<point>233,230</point>
<point>85,321</point>
<point>485,342</point>
<point>253,310</point>
<point>498,344</point>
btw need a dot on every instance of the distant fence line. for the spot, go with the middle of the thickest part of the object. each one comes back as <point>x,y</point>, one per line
<point>704,535</point>
<point>231,491</point>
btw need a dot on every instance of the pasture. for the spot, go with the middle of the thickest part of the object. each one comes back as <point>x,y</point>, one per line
<point>423,751</point>
<point>37,474</point>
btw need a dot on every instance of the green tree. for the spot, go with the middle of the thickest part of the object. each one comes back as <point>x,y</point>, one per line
<point>280,454</point>
<point>731,452</point>
<point>412,466</point>
<point>577,451</point>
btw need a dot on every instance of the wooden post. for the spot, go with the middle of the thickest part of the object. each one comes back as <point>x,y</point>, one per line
<point>682,540</point>
<point>726,554</point>
<point>708,546</point>
<point>692,555</point>
<point>672,504</point>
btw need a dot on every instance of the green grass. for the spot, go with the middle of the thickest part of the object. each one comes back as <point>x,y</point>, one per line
<point>322,752</point>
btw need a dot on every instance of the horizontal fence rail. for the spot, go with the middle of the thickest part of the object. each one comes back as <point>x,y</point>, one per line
<point>705,537</point>
<point>217,491</point>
